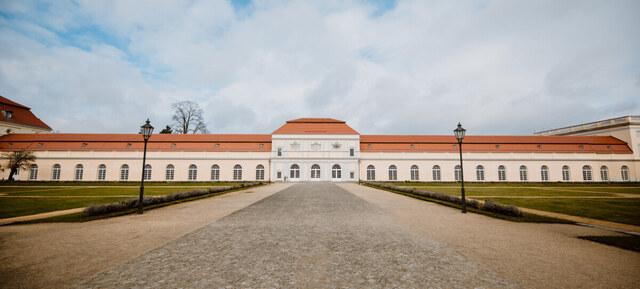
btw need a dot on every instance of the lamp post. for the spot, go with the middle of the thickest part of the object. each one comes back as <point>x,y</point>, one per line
<point>459,133</point>
<point>146,131</point>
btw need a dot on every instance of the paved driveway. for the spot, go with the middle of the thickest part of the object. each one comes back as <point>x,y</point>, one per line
<point>306,236</point>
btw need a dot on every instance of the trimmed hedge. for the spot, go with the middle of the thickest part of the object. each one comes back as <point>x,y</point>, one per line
<point>488,205</point>
<point>151,201</point>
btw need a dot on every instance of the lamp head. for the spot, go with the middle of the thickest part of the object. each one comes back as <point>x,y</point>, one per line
<point>146,130</point>
<point>459,133</point>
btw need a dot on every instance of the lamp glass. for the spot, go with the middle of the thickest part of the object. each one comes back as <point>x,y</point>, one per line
<point>146,129</point>
<point>459,132</point>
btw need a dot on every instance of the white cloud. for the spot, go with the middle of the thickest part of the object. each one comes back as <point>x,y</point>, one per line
<point>497,66</point>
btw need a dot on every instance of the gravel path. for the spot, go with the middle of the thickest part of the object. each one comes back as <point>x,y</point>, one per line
<point>534,255</point>
<point>57,255</point>
<point>307,236</point>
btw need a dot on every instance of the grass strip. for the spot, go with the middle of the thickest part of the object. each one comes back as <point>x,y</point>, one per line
<point>522,217</point>
<point>83,217</point>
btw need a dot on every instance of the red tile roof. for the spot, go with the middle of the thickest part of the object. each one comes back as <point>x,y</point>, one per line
<point>522,144</point>
<point>20,114</point>
<point>315,126</point>
<point>134,142</point>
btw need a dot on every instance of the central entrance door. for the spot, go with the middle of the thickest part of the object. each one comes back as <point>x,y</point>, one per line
<point>336,173</point>
<point>315,172</point>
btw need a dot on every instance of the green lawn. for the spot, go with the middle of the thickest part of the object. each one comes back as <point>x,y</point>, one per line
<point>19,199</point>
<point>565,198</point>
<point>513,191</point>
<point>616,210</point>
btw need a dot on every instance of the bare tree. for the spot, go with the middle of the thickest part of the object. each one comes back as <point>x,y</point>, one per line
<point>187,117</point>
<point>18,160</point>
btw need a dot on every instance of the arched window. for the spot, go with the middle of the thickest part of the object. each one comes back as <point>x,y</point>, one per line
<point>260,172</point>
<point>336,172</point>
<point>192,173</point>
<point>480,173</point>
<point>544,173</point>
<point>146,174</point>
<point>523,174</point>
<point>33,172</point>
<point>586,174</point>
<point>124,172</point>
<point>294,171</point>
<point>415,173</point>
<point>102,172</point>
<point>371,173</point>
<point>502,173</point>
<point>55,172</point>
<point>604,173</point>
<point>169,172</point>
<point>237,173</point>
<point>566,173</point>
<point>435,172</point>
<point>315,171</point>
<point>457,173</point>
<point>79,172</point>
<point>624,173</point>
<point>215,173</point>
<point>393,173</point>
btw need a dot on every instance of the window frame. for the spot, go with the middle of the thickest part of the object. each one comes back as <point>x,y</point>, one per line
<point>237,172</point>
<point>260,172</point>
<point>371,173</point>
<point>393,173</point>
<point>524,173</point>
<point>169,172</point>
<point>414,173</point>
<point>102,172</point>
<point>587,173</point>
<point>33,172</point>
<point>502,173</point>
<point>124,172</point>
<point>78,172</point>
<point>479,173</point>
<point>192,172</point>
<point>544,173</point>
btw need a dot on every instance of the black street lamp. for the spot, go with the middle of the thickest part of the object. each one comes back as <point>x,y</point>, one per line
<point>146,131</point>
<point>459,133</point>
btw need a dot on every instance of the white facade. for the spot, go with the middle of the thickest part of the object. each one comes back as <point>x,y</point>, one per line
<point>294,156</point>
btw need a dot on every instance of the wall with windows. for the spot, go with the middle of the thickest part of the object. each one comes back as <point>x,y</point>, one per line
<point>127,166</point>
<point>511,167</point>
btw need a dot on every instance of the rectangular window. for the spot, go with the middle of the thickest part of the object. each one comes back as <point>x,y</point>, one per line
<point>352,175</point>
<point>279,152</point>
<point>279,175</point>
<point>352,152</point>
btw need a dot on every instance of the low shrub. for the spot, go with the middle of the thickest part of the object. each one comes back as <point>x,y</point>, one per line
<point>150,201</point>
<point>498,208</point>
<point>493,207</point>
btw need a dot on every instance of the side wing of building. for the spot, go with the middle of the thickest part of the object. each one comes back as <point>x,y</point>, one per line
<point>118,157</point>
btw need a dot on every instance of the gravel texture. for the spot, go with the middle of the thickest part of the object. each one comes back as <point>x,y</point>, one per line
<point>306,236</point>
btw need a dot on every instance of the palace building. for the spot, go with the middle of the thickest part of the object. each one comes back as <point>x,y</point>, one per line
<point>325,149</point>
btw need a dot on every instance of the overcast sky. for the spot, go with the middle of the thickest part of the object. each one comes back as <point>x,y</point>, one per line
<point>499,67</point>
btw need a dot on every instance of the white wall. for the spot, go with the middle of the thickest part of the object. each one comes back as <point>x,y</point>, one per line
<point>491,161</point>
<point>158,160</point>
